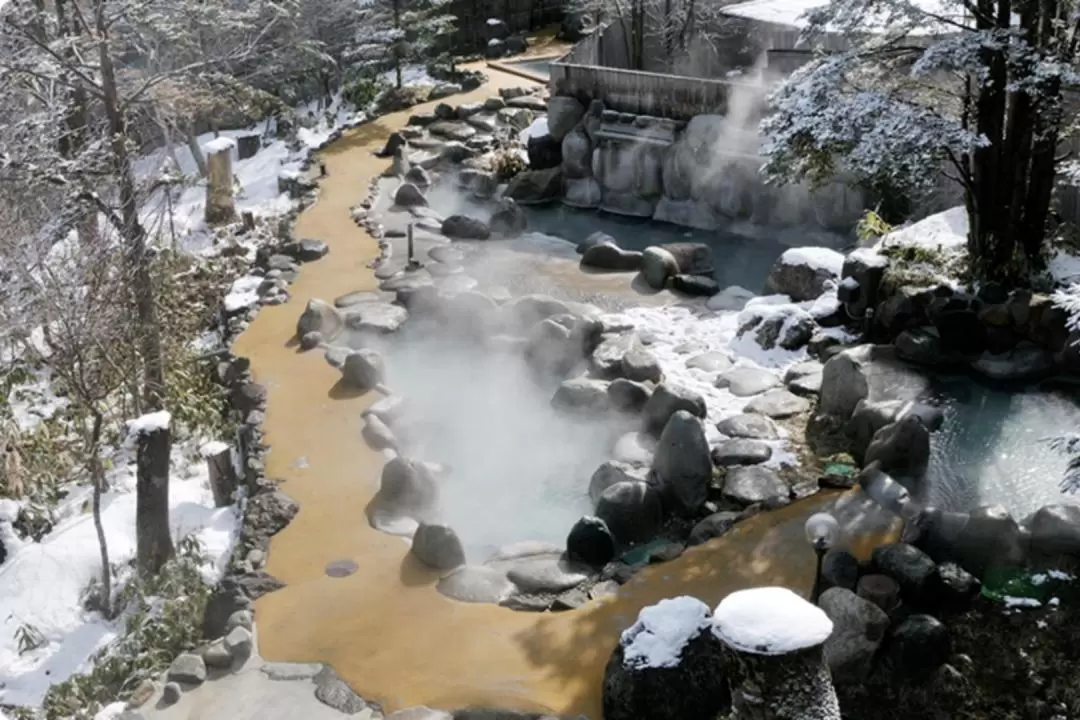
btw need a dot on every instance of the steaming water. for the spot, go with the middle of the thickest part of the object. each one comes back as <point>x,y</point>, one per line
<point>991,449</point>
<point>518,470</point>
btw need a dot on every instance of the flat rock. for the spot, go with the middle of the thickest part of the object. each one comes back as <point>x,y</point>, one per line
<point>476,584</point>
<point>187,668</point>
<point>741,451</point>
<point>378,317</point>
<point>713,361</point>
<point>749,484</point>
<point>712,526</point>
<point>547,574</point>
<point>746,381</point>
<point>291,671</point>
<point>748,425</point>
<point>778,404</point>
<point>332,690</point>
<point>356,298</point>
<point>420,713</point>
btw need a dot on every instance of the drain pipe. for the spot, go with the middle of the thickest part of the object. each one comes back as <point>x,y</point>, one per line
<point>775,645</point>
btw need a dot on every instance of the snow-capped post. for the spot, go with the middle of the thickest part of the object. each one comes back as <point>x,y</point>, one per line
<point>222,470</point>
<point>220,206</point>
<point>150,433</point>
<point>775,643</point>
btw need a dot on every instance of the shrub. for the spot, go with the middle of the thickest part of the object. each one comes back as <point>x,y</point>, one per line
<point>506,164</point>
<point>164,618</point>
<point>362,92</point>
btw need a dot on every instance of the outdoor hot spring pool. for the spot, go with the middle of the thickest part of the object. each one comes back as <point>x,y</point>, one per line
<point>992,447</point>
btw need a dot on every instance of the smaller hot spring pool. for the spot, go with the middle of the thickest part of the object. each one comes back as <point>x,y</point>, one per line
<point>992,447</point>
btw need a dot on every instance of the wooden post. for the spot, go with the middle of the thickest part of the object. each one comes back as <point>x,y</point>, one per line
<point>249,220</point>
<point>410,232</point>
<point>219,462</point>
<point>220,206</point>
<point>153,540</point>
<point>775,643</point>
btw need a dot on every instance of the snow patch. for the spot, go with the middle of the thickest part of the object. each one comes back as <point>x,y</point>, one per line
<point>539,128</point>
<point>214,447</point>
<point>945,231</point>
<point>1019,602</point>
<point>661,632</point>
<point>816,258</point>
<point>770,621</point>
<point>219,144</point>
<point>244,293</point>
<point>41,584</point>
<point>149,423</point>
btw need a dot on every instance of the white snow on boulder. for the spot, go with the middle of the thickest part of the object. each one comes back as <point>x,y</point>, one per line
<point>945,231</point>
<point>539,128</point>
<point>770,621</point>
<point>243,294</point>
<point>661,632</point>
<point>817,258</point>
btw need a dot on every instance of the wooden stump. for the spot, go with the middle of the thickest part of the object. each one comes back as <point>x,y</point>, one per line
<point>220,206</point>
<point>881,590</point>
<point>153,539</point>
<point>219,462</point>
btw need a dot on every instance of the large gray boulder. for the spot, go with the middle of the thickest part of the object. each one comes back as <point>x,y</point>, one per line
<point>868,372</point>
<point>666,400</point>
<point>682,461</point>
<point>563,114</point>
<point>320,317</point>
<point>612,472</point>
<point>749,484</point>
<point>438,547</point>
<point>465,228</point>
<point>632,511</point>
<point>912,569</point>
<point>1055,532</point>
<point>582,394</point>
<point>577,154</point>
<point>590,542</point>
<point>902,448</point>
<point>509,219</point>
<point>980,541</point>
<point>609,256</point>
<point>662,262</point>
<point>408,495</point>
<point>685,678</point>
<point>859,627</point>
<point>362,370</point>
<point>408,195</point>
<point>801,273</point>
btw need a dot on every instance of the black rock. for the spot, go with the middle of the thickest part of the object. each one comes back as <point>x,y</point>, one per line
<point>840,569</point>
<point>740,451</point>
<point>695,285</point>
<point>465,227</point>
<point>958,587</point>
<point>590,541</point>
<point>919,645</point>
<point>695,689</point>
<point>544,152</point>
<point>306,250</point>
<point>912,569</point>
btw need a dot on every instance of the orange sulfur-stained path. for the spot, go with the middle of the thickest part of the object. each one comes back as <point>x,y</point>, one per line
<point>384,628</point>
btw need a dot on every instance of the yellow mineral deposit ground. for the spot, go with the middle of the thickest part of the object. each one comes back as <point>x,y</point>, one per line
<point>385,628</point>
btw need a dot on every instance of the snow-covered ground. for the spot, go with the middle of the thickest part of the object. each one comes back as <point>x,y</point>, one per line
<point>257,176</point>
<point>42,584</point>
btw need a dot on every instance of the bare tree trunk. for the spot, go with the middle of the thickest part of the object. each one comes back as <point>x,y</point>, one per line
<point>154,544</point>
<point>397,43</point>
<point>132,229</point>
<point>153,541</point>
<point>97,475</point>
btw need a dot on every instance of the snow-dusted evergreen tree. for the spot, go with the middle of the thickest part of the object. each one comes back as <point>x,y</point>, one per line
<point>976,87</point>
<point>434,25</point>
<point>380,38</point>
